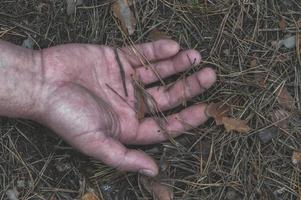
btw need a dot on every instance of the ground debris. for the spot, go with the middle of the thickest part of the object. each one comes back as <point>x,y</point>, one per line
<point>217,111</point>
<point>233,195</point>
<point>267,134</point>
<point>123,12</point>
<point>156,34</point>
<point>285,99</point>
<point>155,187</point>
<point>288,43</point>
<point>296,157</point>
<point>238,125</point>
<point>282,24</point>
<point>280,118</point>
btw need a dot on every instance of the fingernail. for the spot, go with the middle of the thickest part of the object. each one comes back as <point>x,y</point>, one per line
<point>147,172</point>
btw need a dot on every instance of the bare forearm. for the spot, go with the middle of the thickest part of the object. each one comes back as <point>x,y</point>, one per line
<point>19,80</point>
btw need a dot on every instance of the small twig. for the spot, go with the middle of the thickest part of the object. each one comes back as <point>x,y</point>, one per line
<point>122,73</point>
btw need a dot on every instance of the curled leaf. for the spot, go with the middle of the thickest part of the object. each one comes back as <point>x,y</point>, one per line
<point>285,99</point>
<point>217,111</point>
<point>238,125</point>
<point>123,12</point>
<point>157,189</point>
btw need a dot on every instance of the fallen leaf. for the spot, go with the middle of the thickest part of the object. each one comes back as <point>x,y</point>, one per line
<point>123,12</point>
<point>267,134</point>
<point>217,111</point>
<point>71,5</point>
<point>238,125</point>
<point>285,99</point>
<point>155,34</point>
<point>156,188</point>
<point>89,196</point>
<point>282,24</point>
<point>296,157</point>
<point>280,117</point>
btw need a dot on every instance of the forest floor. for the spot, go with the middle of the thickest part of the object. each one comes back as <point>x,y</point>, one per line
<point>259,80</point>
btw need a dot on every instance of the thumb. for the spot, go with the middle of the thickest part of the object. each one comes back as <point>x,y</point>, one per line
<point>113,153</point>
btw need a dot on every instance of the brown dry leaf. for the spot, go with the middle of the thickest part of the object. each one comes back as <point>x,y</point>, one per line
<point>281,118</point>
<point>155,34</point>
<point>157,189</point>
<point>217,111</point>
<point>296,157</point>
<point>238,125</point>
<point>282,24</point>
<point>285,99</point>
<point>123,12</point>
<point>89,196</point>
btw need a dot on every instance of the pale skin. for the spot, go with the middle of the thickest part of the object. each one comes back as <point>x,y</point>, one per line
<point>66,88</point>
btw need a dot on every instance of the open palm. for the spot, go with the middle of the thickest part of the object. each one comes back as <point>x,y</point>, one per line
<point>85,102</point>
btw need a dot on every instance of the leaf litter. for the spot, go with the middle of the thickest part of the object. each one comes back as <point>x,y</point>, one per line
<point>220,111</point>
<point>156,34</point>
<point>296,157</point>
<point>285,99</point>
<point>125,15</point>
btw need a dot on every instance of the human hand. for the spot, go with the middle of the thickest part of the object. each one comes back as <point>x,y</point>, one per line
<point>81,96</point>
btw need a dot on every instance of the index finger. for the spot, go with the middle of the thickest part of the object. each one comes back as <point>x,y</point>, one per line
<point>141,54</point>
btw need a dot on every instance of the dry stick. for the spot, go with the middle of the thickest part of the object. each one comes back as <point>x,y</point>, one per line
<point>122,73</point>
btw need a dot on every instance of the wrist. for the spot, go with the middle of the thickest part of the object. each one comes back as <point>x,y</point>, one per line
<point>20,81</point>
